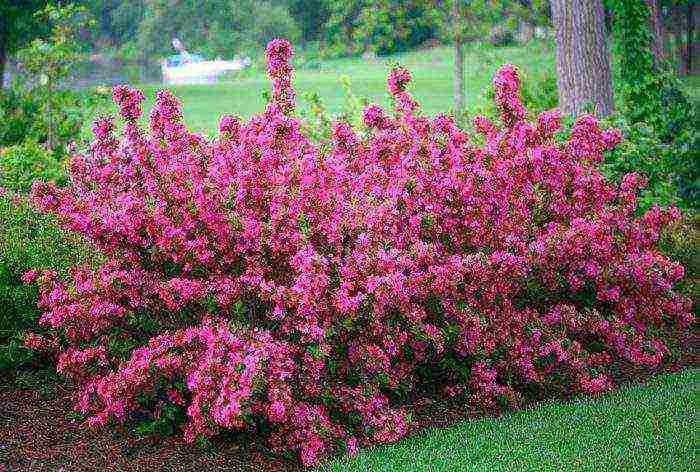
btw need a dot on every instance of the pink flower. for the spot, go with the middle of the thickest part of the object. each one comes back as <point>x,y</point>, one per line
<point>30,276</point>
<point>352,446</point>
<point>264,276</point>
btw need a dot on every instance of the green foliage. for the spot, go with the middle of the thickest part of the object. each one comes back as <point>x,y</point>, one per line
<point>213,27</point>
<point>44,64</point>
<point>353,105</point>
<point>21,164</point>
<point>310,16</point>
<point>170,417</point>
<point>19,24</point>
<point>50,60</point>
<point>670,168</point>
<point>659,120</point>
<point>19,115</point>
<point>681,242</point>
<point>318,121</point>
<point>28,240</point>
<point>23,115</point>
<point>117,21</point>
<point>380,26</point>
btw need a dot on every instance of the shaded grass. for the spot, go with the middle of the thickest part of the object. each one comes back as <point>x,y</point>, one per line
<point>652,427</point>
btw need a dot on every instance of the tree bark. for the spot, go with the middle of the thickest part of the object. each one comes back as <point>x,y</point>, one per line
<point>526,31</point>
<point>657,31</point>
<point>458,66</point>
<point>583,59</point>
<point>3,60</point>
<point>690,36</point>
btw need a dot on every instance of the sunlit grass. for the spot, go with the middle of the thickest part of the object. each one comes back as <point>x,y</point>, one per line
<point>432,85</point>
<point>652,427</point>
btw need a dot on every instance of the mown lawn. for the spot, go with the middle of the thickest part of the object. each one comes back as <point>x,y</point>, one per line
<point>641,428</point>
<point>432,85</point>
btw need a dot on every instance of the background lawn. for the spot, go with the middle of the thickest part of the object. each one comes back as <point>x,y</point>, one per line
<point>432,82</point>
<point>640,428</point>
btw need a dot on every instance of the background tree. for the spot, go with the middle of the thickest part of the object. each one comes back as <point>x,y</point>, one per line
<point>116,21</point>
<point>18,26</point>
<point>681,35</point>
<point>310,16</point>
<point>583,60</point>
<point>47,62</point>
<point>461,21</point>
<point>380,26</point>
<point>656,29</point>
<point>212,27</point>
<point>458,67</point>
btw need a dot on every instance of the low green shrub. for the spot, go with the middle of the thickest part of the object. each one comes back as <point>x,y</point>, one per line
<point>28,240</point>
<point>18,115</point>
<point>671,166</point>
<point>21,164</point>
<point>680,242</point>
<point>22,115</point>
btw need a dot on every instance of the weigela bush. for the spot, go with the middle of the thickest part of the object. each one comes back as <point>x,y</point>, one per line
<point>308,293</point>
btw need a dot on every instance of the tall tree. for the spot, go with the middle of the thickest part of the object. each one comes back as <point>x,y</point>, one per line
<point>583,59</point>
<point>657,31</point>
<point>690,36</point>
<point>458,66</point>
<point>18,26</point>
<point>310,15</point>
<point>680,16</point>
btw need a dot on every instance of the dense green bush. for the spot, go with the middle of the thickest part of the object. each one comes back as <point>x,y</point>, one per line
<point>659,120</point>
<point>28,240</point>
<point>22,115</point>
<point>671,168</point>
<point>18,115</point>
<point>22,163</point>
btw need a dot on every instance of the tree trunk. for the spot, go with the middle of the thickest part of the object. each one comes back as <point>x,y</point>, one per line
<point>458,66</point>
<point>3,61</point>
<point>583,60</point>
<point>689,37</point>
<point>678,27</point>
<point>657,31</point>
<point>526,31</point>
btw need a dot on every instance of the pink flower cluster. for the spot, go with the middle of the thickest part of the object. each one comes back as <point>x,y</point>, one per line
<point>279,53</point>
<point>261,282</point>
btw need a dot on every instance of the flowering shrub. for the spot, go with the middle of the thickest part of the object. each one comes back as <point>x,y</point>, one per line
<point>261,282</point>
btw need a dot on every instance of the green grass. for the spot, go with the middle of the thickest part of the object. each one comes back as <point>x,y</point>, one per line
<point>432,85</point>
<point>652,427</point>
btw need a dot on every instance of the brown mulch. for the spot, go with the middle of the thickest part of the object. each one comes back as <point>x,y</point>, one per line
<point>37,433</point>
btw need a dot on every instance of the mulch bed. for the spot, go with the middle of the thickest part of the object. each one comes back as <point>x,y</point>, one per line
<point>38,434</point>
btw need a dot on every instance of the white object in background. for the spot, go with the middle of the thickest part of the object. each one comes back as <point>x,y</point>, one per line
<point>194,69</point>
